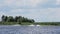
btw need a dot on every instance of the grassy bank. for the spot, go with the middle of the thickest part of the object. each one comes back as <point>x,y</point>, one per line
<point>48,23</point>
<point>13,23</point>
<point>28,23</point>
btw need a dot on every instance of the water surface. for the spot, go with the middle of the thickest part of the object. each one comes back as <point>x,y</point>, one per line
<point>29,29</point>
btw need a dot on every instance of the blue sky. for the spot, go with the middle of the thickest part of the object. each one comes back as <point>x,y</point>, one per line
<point>39,10</point>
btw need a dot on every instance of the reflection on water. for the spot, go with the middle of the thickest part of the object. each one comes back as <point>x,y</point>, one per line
<point>29,29</point>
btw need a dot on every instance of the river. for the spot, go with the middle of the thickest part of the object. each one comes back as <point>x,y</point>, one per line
<point>29,29</point>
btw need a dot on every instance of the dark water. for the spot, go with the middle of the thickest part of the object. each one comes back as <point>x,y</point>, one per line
<point>29,29</point>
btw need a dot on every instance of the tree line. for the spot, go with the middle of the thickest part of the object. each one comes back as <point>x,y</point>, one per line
<point>16,19</point>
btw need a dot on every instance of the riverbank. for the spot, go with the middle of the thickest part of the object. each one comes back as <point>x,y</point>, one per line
<point>28,23</point>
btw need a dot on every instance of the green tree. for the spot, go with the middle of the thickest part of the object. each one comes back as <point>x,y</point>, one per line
<point>32,20</point>
<point>16,19</point>
<point>10,19</point>
<point>20,19</point>
<point>4,18</point>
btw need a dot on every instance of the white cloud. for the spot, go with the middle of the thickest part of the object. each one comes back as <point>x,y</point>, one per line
<point>50,14</point>
<point>33,2</point>
<point>58,2</point>
<point>16,10</point>
<point>20,3</point>
<point>9,2</point>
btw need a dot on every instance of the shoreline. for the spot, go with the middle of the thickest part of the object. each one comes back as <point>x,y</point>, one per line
<point>28,25</point>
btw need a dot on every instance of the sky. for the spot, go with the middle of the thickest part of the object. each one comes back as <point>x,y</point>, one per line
<point>39,10</point>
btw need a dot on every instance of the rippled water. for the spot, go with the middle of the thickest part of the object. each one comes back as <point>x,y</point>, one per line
<point>29,29</point>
